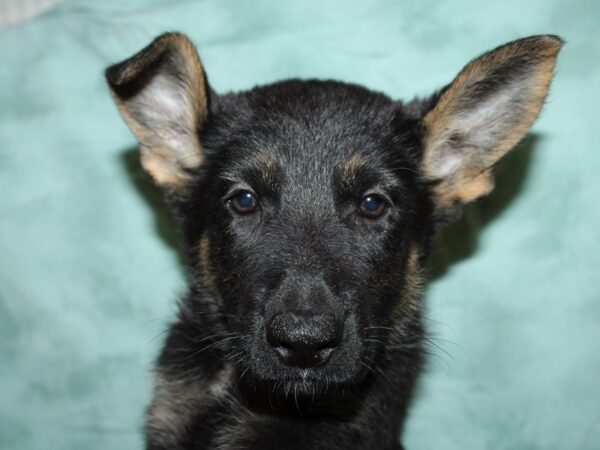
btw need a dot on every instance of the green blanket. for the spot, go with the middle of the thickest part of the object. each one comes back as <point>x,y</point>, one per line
<point>89,268</point>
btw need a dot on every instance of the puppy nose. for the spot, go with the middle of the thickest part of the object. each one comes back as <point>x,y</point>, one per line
<point>304,340</point>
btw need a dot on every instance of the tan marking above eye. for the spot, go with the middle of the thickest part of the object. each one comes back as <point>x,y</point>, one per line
<point>268,166</point>
<point>351,168</point>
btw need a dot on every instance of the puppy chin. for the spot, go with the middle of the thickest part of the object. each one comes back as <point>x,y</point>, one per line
<point>331,377</point>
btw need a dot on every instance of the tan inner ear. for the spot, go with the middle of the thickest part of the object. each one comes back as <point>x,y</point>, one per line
<point>465,188</point>
<point>169,143</point>
<point>471,178</point>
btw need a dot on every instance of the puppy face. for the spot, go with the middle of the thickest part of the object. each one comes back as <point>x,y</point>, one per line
<point>313,213</point>
<point>308,206</point>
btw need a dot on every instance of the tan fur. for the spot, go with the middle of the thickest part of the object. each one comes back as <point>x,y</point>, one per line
<point>414,283</point>
<point>206,268</point>
<point>268,165</point>
<point>162,168</point>
<point>351,169</point>
<point>473,178</point>
<point>234,437</point>
<point>415,279</point>
<point>177,401</point>
<point>465,188</point>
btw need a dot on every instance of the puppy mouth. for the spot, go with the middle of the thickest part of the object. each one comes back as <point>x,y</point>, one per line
<point>304,378</point>
<point>303,384</point>
<point>302,392</point>
<point>328,377</point>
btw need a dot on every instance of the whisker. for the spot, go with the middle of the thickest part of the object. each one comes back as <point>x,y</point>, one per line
<point>220,341</point>
<point>163,332</point>
<point>430,342</point>
<point>213,336</point>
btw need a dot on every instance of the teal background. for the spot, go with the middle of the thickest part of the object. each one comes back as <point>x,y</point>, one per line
<point>89,268</point>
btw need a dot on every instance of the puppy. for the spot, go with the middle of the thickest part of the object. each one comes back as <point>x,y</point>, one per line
<point>309,209</point>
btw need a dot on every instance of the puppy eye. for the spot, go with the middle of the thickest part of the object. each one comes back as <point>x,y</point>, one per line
<point>373,206</point>
<point>243,202</point>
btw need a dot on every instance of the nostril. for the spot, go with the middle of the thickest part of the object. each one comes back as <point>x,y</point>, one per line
<point>282,351</point>
<point>326,346</point>
<point>330,338</point>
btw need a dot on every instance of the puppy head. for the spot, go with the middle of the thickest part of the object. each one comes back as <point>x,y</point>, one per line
<point>309,205</point>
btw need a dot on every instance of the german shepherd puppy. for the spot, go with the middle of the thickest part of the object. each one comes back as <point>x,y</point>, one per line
<point>308,210</point>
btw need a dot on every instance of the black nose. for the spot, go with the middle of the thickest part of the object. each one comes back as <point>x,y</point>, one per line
<point>304,339</point>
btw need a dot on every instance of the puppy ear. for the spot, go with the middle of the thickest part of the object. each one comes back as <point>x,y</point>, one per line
<point>161,92</point>
<point>482,114</point>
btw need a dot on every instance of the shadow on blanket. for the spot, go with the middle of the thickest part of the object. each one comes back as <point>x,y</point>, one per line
<point>165,224</point>
<point>459,240</point>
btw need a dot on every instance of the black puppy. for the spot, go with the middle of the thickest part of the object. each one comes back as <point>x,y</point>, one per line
<point>308,209</point>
